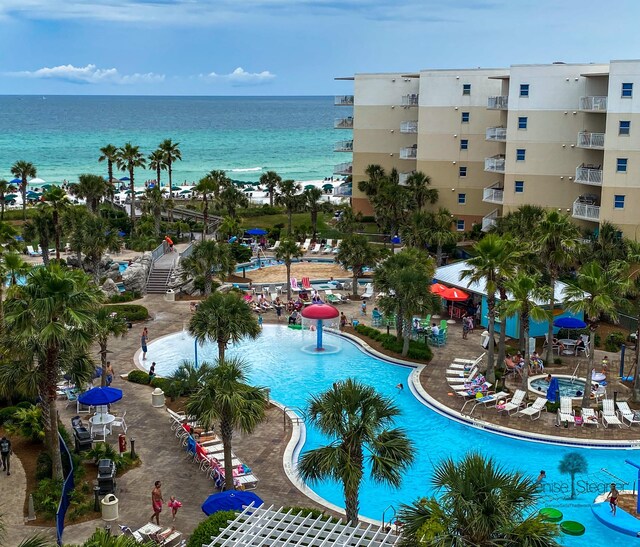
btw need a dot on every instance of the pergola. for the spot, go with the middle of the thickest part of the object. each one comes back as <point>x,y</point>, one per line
<point>274,527</point>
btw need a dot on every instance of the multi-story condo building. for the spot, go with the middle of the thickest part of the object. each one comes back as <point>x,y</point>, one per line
<point>562,136</point>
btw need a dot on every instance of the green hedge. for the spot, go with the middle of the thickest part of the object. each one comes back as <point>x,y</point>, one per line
<point>417,350</point>
<point>138,377</point>
<point>210,527</point>
<point>130,312</point>
<point>7,413</point>
<point>127,296</point>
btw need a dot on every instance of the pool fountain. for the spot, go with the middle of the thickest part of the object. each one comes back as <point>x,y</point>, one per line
<point>320,313</point>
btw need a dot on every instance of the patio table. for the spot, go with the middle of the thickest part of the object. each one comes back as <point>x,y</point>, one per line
<point>569,346</point>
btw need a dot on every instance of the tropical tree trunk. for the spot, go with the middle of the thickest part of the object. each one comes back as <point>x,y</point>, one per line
<point>222,345</point>
<point>208,282</point>
<point>288,266</point>
<point>103,361</point>
<point>56,227</point>
<point>23,191</point>
<point>205,215</point>
<point>51,421</point>
<point>271,191</point>
<point>110,171</point>
<point>502,340</point>
<point>586,394</point>
<point>95,262</point>
<point>490,374</point>
<point>170,170</point>
<point>399,322</point>
<point>406,336</point>
<point>44,246</point>
<point>552,303</point>
<point>314,222</point>
<point>133,199</point>
<point>524,319</point>
<point>439,255</point>
<point>351,490</point>
<point>354,289</point>
<point>226,433</point>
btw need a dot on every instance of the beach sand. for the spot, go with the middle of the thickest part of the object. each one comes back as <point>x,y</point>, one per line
<point>313,270</point>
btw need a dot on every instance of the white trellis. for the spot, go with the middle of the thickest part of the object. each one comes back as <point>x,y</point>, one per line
<point>277,528</point>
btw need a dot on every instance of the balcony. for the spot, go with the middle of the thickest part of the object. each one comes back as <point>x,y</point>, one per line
<point>496,134</point>
<point>343,100</point>
<point>343,123</point>
<point>410,100</point>
<point>587,139</point>
<point>499,102</point>
<point>495,164</point>
<point>409,153</point>
<point>343,146</point>
<point>409,127</point>
<point>589,174</point>
<point>404,177</point>
<point>585,209</point>
<point>343,168</point>
<point>494,193</point>
<point>593,103</point>
<point>489,221</point>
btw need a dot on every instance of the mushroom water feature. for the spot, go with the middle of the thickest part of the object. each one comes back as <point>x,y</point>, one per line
<point>320,313</point>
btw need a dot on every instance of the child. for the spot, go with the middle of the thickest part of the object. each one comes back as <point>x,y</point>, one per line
<point>605,365</point>
<point>174,504</point>
<point>363,307</point>
<point>260,321</point>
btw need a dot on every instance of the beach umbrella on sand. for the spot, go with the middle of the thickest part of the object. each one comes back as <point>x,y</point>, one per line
<point>186,191</point>
<point>309,187</point>
<point>124,179</point>
<point>327,186</point>
<point>15,181</point>
<point>37,181</point>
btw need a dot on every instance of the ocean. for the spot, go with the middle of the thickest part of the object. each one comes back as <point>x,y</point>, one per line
<point>245,136</point>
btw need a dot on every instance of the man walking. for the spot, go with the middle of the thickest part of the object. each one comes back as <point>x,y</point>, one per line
<point>156,502</point>
<point>5,454</point>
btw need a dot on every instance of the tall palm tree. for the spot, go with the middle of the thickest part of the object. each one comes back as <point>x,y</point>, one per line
<point>40,227</point>
<point>349,221</point>
<point>107,324</point>
<point>439,233</point>
<point>58,200</point>
<point>287,251</point>
<point>98,238</point>
<point>171,154</point>
<point>129,158</point>
<point>356,253</point>
<point>229,227</point>
<point>480,504</point>
<point>289,198</point>
<point>153,204</point>
<point>208,259</point>
<point>5,188</point>
<point>598,291</point>
<point>23,170</point>
<point>225,399</point>
<point>157,163</point>
<point>360,423</point>
<point>207,187</point>
<point>312,198</point>
<point>109,153</point>
<point>92,188</point>
<point>51,314</point>
<point>231,199</point>
<point>270,180</point>
<point>495,259</point>
<point>14,266</point>
<point>223,318</point>
<point>415,232</point>
<point>520,224</point>
<point>420,193</point>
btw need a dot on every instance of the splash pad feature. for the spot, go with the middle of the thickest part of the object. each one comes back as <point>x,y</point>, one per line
<point>320,313</point>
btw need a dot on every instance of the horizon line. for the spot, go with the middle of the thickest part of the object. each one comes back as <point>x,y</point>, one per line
<point>144,95</point>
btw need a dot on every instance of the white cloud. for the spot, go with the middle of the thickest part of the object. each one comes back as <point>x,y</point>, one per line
<point>89,74</point>
<point>241,77</point>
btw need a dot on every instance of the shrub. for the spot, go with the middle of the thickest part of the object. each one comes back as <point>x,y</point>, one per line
<point>28,423</point>
<point>6,414</point>
<point>552,408</point>
<point>24,404</point>
<point>613,341</point>
<point>47,496</point>
<point>210,527</point>
<point>129,312</point>
<point>163,383</point>
<point>138,377</point>
<point>123,461</point>
<point>417,350</point>
<point>44,469</point>
<point>557,361</point>
<point>127,296</point>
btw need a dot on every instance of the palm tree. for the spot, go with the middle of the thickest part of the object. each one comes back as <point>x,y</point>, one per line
<point>355,253</point>
<point>158,163</point>
<point>92,188</point>
<point>415,232</point>
<point>270,180</point>
<point>225,399</point>
<point>495,260</point>
<point>359,421</point>
<point>289,198</point>
<point>520,224</point>
<point>207,187</point>
<point>107,324</point>
<point>129,158</point>
<point>98,238</point>
<point>41,227</point>
<point>223,318</point>
<point>606,246</point>
<point>52,314</point>
<point>171,154</point>
<point>14,267</point>
<point>58,200</point>
<point>420,193</point>
<point>349,221</point>
<point>598,291</point>
<point>153,204</point>
<point>109,153</point>
<point>5,188</point>
<point>23,170</point>
<point>229,227</point>
<point>208,259</point>
<point>312,198</point>
<point>481,504</point>
<point>439,233</point>
<point>287,251</point>
<point>231,199</point>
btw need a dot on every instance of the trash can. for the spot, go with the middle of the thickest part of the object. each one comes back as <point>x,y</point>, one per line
<point>170,295</point>
<point>484,339</point>
<point>109,505</point>
<point>157,398</point>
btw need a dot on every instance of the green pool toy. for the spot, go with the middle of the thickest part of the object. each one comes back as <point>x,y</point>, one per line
<point>295,327</point>
<point>550,514</point>
<point>572,528</point>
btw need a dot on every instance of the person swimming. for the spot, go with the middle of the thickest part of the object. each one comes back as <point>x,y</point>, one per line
<point>400,387</point>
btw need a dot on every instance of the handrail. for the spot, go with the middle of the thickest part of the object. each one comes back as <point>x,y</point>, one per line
<point>394,513</point>
<point>159,251</point>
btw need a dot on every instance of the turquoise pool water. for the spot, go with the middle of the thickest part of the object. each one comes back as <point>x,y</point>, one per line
<point>568,387</point>
<point>268,262</point>
<point>277,360</point>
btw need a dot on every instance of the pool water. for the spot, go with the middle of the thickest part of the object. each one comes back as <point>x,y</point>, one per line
<point>567,387</point>
<point>277,360</point>
<point>268,262</point>
<point>122,266</point>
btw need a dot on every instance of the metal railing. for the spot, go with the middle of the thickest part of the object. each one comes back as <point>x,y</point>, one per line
<point>403,177</point>
<point>499,102</point>
<point>343,168</point>
<point>493,194</point>
<point>496,134</point>
<point>586,211</point>
<point>343,100</point>
<point>343,146</point>
<point>593,103</point>
<point>495,164</point>
<point>343,123</point>
<point>489,221</point>
<point>409,153</point>
<point>410,100</point>
<point>588,139</point>
<point>409,127</point>
<point>588,175</point>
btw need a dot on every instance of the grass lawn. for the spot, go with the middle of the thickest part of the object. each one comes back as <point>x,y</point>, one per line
<point>267,222</point>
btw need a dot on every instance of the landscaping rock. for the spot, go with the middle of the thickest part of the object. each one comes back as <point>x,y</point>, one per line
<point>110,288</point>
<point>135,276</point>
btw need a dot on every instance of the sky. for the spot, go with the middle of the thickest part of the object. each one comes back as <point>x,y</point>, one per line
<point>289,47</point>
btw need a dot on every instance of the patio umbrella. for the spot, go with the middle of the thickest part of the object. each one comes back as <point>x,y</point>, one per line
<point>438,288</point>
<point>100,396</point>
<point>9,197</point>
<point>257,232</point>
<point>186,191</point>
<point>47,186</point>
<point>125,179</point>
<point>309,187</point>
<point>569,323</point>
<point>231,500</point>
<point>37,181</point>
<point>455,295</point>
<point>15,181</point>
<point>327,186</point>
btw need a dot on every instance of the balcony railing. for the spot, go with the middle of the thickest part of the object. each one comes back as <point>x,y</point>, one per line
<point>343,123</point>
<point>409,127</point>
<point>589,175</point>
<point>587,139</point>
<point>585,211</point>
<point>343,100</point>
<point>495,164</point>
<point>500,102</point>
<point>343,168</point>
<point>343,146</point>
<point>489,221</point>
<point>403,177</point>
<point>409,153</point>
<point>493,194</point>
<point>410,100</point>
<point>496,134</point>
<point>593,103</point>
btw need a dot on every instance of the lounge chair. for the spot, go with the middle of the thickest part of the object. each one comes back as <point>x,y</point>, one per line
<point>32,252</point>
<point>305,246</point>
<point>626,414</point>
<point>589,417</point>
<point>535,409</point>
<point>515,403</point>
<point>608,414</point>
<point>565,412</point>
<point>475,383</point>
<point>462,378</point>
<point>464,363</point>
<point>316,249</point>
<point>306,284</point>
<point>368,292</point>
<point>337,247</point>
<point>484,401</point>
<point>274,246</point>
<point>328,247</point>
<point>294,285</point>
<point>460,371</point>
<point>332,298</point>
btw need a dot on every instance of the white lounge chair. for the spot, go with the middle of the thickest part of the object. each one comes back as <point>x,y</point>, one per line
<point>294,285</point>
<point>565,412</point>
<point>515,403</point>
<point>476,361</point>
<point>589,417</point>
<point>274,246</point>
<point>337,247</point>
<point>305,246</point>
<point>462,378</point>
<point>328,247</point>
<point>484,401</point>
<point>460,372</point>
<point>608,414</point>
<point>368,292</point>
<point>535,409</point>
<point>32,252</point>
<point>316,249</point>
<point>458,388</point>
<point>626,414</point>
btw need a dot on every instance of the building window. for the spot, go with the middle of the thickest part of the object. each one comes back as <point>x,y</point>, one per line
<point>519,186</point>
<point>625,128</point>
<point>520,154</point>
<point>462,199</point>
<point>460,225</point>
<point>462,172</point>
<point>618,202</point>
<point>466,89</point>
<point>621,165</point>
<point>627,90</point>
<point>522,122</point>
<point>524,90</point>
<point>465,117</point>
<point>464,144</point>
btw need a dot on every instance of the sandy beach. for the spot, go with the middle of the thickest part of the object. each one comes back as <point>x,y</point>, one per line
<point>313,270</point>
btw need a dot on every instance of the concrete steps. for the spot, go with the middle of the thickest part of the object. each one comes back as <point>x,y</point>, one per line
<point>158,280</point>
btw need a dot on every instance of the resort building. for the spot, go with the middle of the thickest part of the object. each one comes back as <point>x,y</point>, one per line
<point>560,136</point>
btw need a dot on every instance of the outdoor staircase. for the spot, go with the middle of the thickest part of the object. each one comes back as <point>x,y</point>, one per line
<point>158,280</point>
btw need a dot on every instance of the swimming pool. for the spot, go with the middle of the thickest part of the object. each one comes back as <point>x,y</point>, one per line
<point>256,263</point>
<point>277,360</point>
<point>568,387</point>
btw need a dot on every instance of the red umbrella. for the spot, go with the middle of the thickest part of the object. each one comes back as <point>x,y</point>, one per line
<point>455,295</point>
<point>438,288</point>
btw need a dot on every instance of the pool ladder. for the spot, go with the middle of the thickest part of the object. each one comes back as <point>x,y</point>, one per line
<point>298,419</point>
<point>392,518</point>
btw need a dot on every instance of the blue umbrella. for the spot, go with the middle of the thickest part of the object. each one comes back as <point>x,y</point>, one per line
<point>122,234</point>
<point>257,232</point>
<point>16,181</point>
<point>569,323</point>
<point>125,179</point>
<point>231,500</point>
<point>100,396</point>
<point>395,240</point>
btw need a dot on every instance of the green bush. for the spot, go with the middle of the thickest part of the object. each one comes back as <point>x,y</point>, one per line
<point>127,296</point>
<point>24,404</point>
<point>211,526</point>
<point>6,414</point>
<point>552,408</point>
<point>43,466</point>
<point>417,350</point>
<point>103,450</point>
<point>613,341</point>
<point>28,423</point>
<point>129,312</point>
<point>163,383</point>
<point>138,377</point>
<point>47,496</point>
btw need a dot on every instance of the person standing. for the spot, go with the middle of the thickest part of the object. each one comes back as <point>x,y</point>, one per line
<point>144,338</point>
<point>156,502</point>
<point>5,454</point>
<point>152,371</point>
<point>109,373</point>
<point>612,496</point>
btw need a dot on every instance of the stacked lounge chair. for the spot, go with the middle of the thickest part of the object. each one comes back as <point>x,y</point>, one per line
<point>626,414</point>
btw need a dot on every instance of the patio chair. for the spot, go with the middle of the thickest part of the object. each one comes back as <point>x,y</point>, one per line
<point>316,249</point>
<point>462,378</point>
<point>306,283</point>
<point>626,414</point>
<point>484,401</point>
<point>589,417</point>
<point>475,361</point>
<point>294,285</point>
<point>608,414</point>
<point>336,249</point>
<point>119,422</point>
<point>305,246</point>
<point>584,349</point>
<point>514,404</point>
<point>456,372</point>
<point>376,318</point>
<point>555,347</point>
<point>535,409</point>
<point>439,339</point>
<point>333,298</point>
<point>32,252</point>
<point>328,247</point>
<point>274,246</point>
<point>368,292</point>
<point>565,412</point>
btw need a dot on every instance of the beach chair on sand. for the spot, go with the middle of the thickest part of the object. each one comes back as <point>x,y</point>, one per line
<point>515,403</point>
<point>608,414</point>
<point>565,412</point>
<point>328,247</point>
<point>306,284</point>
<point>368,292</point>
<point>305,246</point>
<point>337,247</point>
<point>274,246</point>
<point>316,249</point>
<point>535,409</point>
<point>294,285</point>
<point>626,414</point>
<point>32,252</point>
